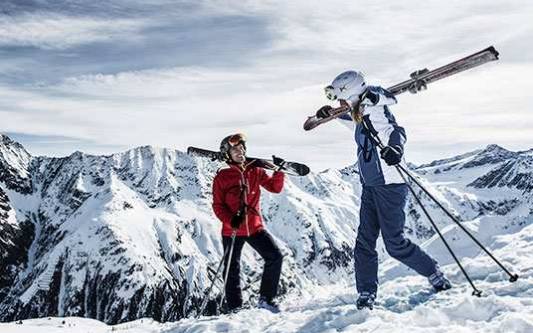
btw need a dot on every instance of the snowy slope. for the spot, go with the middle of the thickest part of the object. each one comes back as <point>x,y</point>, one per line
<point>132,234</point>
<point>16,231</point>
<point>406,304</point>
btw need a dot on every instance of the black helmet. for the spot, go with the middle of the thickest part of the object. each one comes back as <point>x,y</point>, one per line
<point>231,141</point>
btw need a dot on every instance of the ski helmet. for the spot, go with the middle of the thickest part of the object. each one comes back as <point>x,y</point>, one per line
<point>347,85</point>
<point>231,141</point>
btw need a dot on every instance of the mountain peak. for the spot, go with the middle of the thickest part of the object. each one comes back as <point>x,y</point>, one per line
<point>148,150</point>
<point>7,141</point>
<point>14,165</point>
<point>9,146</point>
<point>491,154</point>
<point>494,148</point>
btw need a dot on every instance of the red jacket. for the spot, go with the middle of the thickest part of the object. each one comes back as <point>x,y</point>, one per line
<point>227,187</point>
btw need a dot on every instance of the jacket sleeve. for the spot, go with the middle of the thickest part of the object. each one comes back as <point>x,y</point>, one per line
<point>272,183</point>
<point>377,96</point>
<point>381,122</point>
<point>219,206</point>
<point>345,116</point>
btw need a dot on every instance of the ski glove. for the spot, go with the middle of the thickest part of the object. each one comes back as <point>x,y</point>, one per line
<point>323,112</point>
<point>392,154</point>
<point>236,220</point>
<point>279,162</point>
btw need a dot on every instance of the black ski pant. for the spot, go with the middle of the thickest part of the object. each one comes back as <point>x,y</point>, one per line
<point>263,243</point>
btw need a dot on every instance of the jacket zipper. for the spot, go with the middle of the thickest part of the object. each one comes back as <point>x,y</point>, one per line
<point>245,198</point>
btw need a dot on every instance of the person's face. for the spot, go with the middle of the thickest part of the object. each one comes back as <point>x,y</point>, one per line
<point>238,154</point>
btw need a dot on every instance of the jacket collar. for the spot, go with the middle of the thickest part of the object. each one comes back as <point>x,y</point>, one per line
<point>241,167</point>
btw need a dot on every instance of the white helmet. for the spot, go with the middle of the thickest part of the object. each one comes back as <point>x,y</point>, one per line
<point>348,86</point>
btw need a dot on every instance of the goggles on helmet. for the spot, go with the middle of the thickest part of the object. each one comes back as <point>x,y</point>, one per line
<point>236,139</point>
<point>330,93</point>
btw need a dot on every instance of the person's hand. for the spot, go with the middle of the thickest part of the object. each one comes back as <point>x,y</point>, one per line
<point>236,220</point>
<point>279,162</point>
<point>392,154</point>
<point>323,112</point>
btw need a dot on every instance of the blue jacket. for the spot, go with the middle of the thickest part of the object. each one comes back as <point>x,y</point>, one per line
<point>373,171</point>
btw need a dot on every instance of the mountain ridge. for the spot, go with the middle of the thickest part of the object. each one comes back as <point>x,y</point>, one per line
<point>132,234</point>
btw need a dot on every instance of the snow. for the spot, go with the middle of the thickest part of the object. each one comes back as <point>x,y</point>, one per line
<point>405,304</point>
<point>22,202</point>
<point>43,280</point>
<point>11,217</point>
<point>152,208</point>
<point>14,155</point>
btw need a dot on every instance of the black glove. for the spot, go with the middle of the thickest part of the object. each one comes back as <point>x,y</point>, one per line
<point>236,220</point>
<point>323,112</point>
<point>392,154</point>
<point>278,161</point>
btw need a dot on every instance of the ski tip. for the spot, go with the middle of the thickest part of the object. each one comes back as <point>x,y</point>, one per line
<point>494,52</point>
<point>305,170</point>
<point>310,123</point>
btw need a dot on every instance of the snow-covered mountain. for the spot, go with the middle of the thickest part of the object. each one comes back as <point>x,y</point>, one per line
<point>132,234</point>
<point>492,181</point>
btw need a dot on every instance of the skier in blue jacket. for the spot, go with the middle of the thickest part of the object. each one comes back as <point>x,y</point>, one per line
<point>384,192</point>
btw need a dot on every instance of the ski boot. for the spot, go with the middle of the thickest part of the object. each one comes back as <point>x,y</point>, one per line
<point>269,305</point>
<point>439,281</point>
<point>366,300</point>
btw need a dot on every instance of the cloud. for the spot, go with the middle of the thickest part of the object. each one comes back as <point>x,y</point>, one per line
<point>189,74</point>
<point>59,32</point>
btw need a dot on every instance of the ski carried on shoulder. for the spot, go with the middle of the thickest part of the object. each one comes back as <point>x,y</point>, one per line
<point>419,81</point>
<point>291,168</point>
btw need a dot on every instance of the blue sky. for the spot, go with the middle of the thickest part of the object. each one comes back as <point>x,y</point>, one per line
<point>105,76</point>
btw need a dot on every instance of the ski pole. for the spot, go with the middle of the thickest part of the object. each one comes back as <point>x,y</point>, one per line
<point>233,235</point>
<point>476,291</point>
<point>208,292</point>
<point>512,277</point>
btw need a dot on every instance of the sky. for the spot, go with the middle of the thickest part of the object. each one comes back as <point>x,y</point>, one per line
<point>107,76</point>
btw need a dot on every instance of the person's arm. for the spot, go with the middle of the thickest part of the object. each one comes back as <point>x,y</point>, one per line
<point>219,206</point>
<point>382,125</point>
<point>381,122</point>
<point>377,96</point>
<point>272,183</point>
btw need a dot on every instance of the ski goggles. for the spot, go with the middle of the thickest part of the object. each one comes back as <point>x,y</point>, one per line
<point>330,93</point>
<point>235,139</point>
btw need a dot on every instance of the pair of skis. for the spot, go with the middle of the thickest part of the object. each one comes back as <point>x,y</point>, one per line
<point>419,81</point>
<point>291,168</point>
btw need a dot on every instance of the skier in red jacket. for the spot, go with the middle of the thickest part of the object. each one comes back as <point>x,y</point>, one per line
<point>236,194</point>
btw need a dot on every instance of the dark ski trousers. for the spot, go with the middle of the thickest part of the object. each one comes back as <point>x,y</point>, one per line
<point>263,243</point>
<point>382,209</point>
